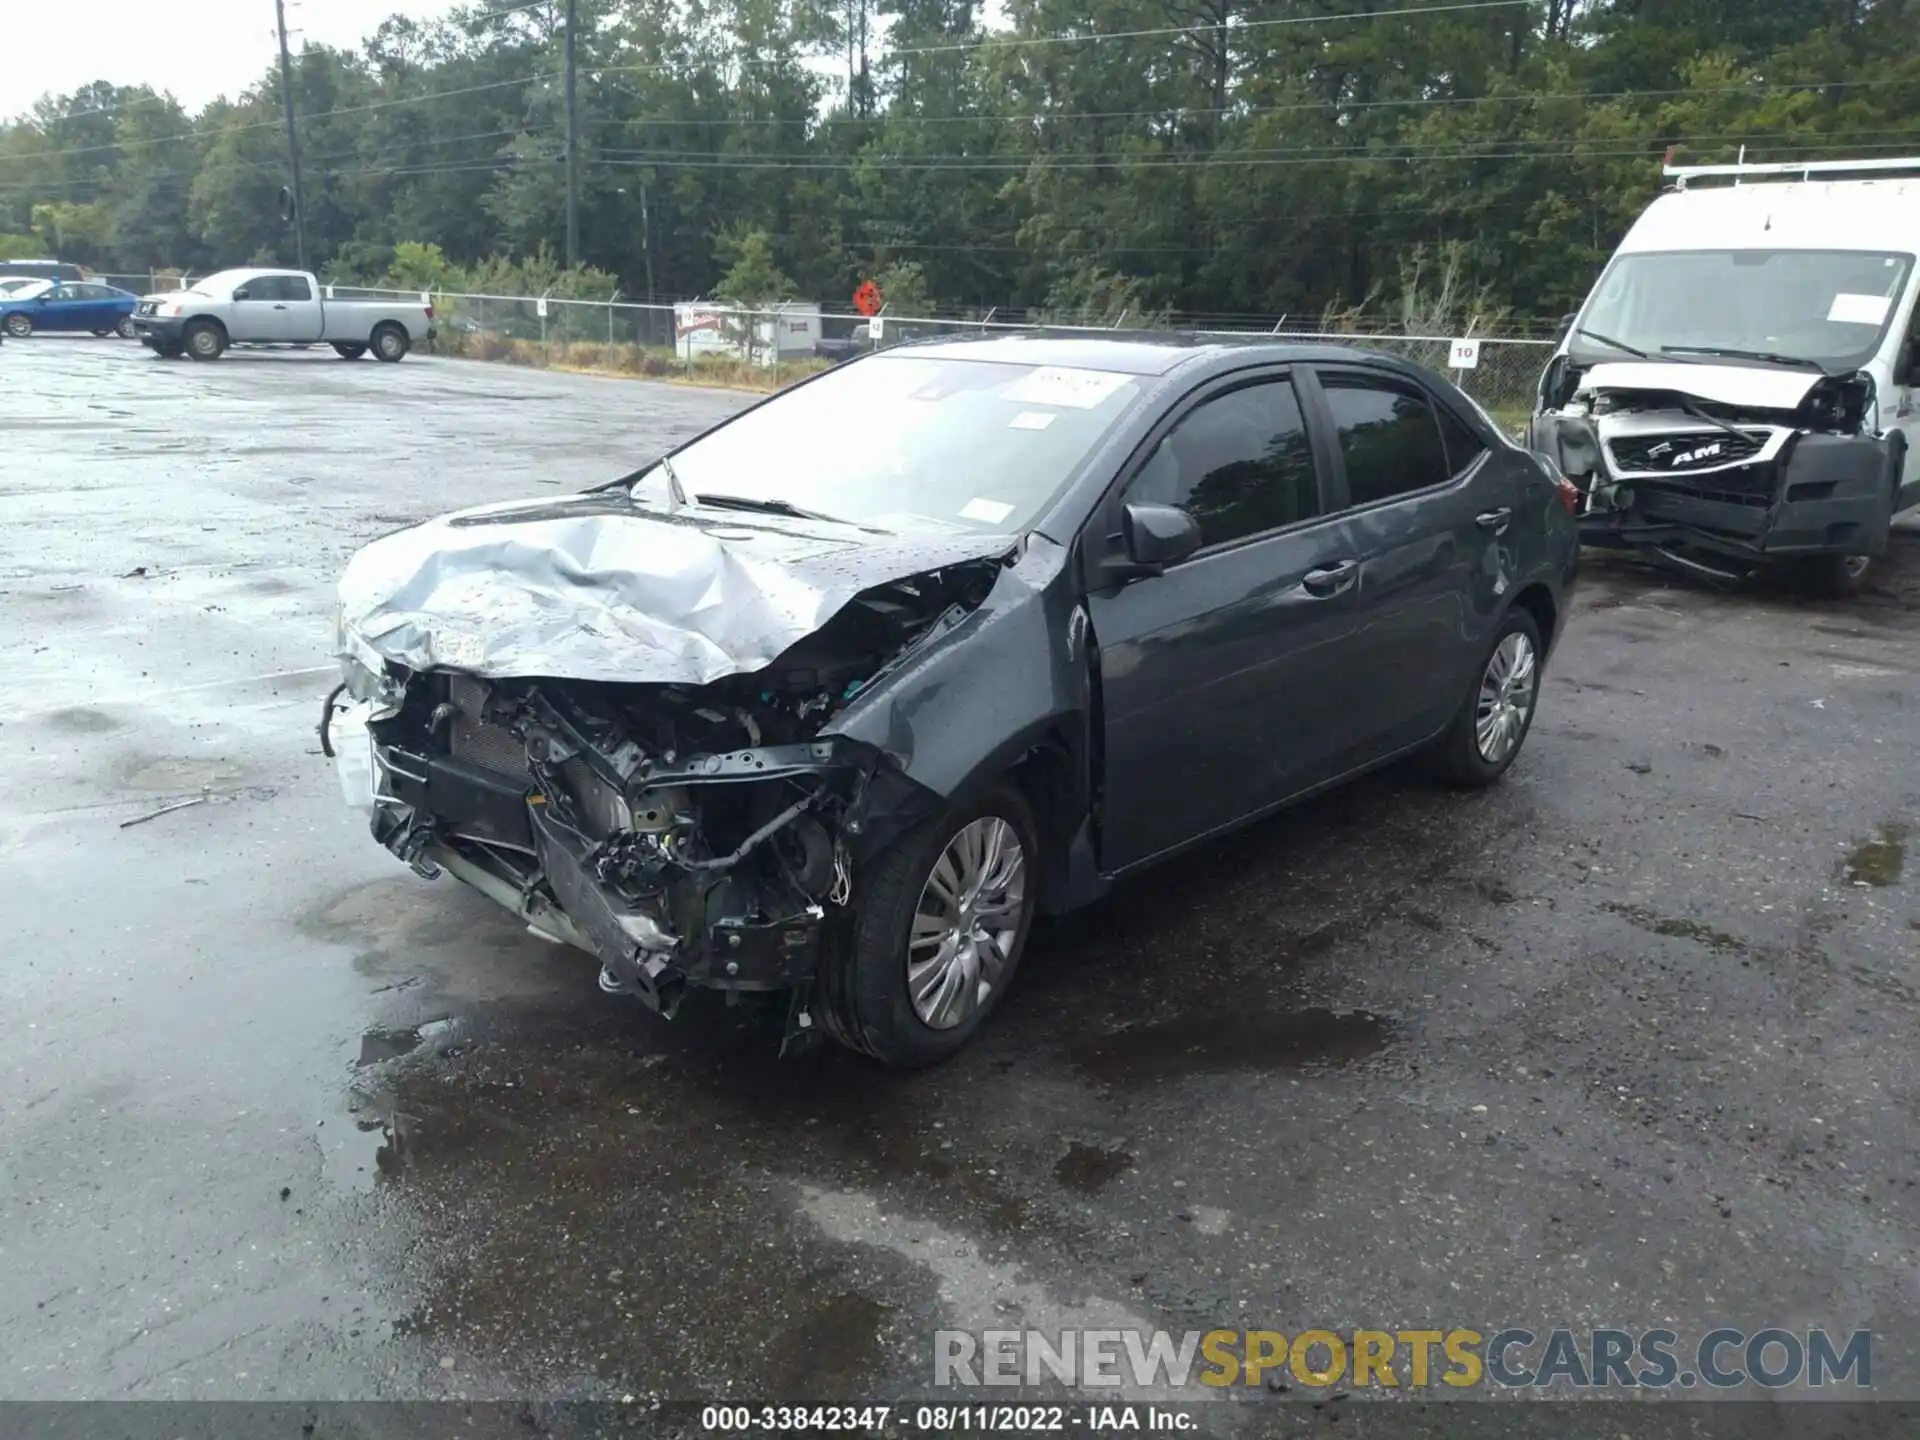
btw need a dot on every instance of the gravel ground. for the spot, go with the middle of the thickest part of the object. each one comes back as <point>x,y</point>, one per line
<point>1627,1041</point>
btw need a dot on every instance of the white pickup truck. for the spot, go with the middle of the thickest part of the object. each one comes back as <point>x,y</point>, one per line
<point>274,307</point>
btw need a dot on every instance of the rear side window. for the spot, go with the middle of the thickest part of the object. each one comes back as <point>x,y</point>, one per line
<point>1389,437</point>
<point>1463,446</point>
<point>1239,463</point>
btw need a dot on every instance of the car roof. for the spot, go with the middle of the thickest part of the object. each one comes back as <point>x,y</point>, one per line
<point>1872,215</point>
<point>1143,353</point>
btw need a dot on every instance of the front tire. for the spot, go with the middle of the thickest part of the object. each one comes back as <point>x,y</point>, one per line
<point>1496,713</point>
<point>204,340</point>
<point>940,924</point>
<point>390,343</point>
<point>1836,577</point>
<point>125,329</point>
<point>19,326</point>
<point>349,352</point>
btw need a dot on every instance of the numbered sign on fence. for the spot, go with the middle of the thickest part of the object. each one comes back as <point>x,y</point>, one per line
<point>1465,355</point>
<point>540,307</point>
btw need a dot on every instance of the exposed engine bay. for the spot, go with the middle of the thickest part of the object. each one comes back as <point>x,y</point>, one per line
<point>690,836</point>
<point>1721,468</point>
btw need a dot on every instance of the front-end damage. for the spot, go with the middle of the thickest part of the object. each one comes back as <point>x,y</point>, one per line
<point>689,835</point>
<point>1720,469</point>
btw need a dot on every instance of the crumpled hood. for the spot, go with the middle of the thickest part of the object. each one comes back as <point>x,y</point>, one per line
<point>1763,388</point>
<point>594,587</point>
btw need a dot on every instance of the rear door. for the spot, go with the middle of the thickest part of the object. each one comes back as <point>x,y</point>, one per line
<point>1213,675</point>
<point>1429,518</point>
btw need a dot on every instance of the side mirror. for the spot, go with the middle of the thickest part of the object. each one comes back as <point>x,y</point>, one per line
<point>242,295</point>
<point>1156,536</point>
<point>1566,324</point>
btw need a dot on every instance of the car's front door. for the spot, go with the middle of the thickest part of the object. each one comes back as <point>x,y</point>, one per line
<point>260,310</point>
<point>1431,519</point>
<point>61,308</point>
<point>1212,674</point>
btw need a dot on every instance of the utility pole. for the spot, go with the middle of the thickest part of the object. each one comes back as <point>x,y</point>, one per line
<point>646,239</point>
<point>573,136</point>
<point>293,136</point>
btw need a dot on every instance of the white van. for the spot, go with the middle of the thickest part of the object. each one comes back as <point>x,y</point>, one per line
<point>1738,390</point>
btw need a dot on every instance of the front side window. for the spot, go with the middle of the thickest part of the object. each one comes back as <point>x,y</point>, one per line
<point>295,287</point>
<point>262,287</point>
<point>1239,463</point>
<point>1389,437</point>
<point>1825,307</point>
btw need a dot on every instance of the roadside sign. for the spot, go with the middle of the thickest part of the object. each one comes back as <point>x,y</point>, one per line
<point>540,307</point>
<point>868,299</point>
<point>877,328</point>
<point>1465,355</point>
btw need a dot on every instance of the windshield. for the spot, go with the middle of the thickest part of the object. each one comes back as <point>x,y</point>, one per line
<point>903,442</point>
<point>1827,306</point>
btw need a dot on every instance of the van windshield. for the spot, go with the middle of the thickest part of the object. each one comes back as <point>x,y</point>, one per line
<point>1828,306</point>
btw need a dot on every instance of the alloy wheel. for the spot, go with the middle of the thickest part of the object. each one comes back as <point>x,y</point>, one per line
<point>966,922</point>
<point>1506,698</point>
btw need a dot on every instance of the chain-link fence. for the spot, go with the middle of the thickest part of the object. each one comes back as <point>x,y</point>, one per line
<point>699,340</point>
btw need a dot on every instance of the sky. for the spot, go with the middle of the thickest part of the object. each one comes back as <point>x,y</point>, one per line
<point>198,49</point>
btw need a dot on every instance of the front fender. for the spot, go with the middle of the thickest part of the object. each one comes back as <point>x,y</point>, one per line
<point>1009,679</point>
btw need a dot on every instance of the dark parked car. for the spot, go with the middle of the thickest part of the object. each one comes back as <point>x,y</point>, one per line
<point>834,699</point>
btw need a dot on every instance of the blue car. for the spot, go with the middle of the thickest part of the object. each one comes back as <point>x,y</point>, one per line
<point>84,305</point>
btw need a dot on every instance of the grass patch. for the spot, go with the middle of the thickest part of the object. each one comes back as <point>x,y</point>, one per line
<point>640,362</point>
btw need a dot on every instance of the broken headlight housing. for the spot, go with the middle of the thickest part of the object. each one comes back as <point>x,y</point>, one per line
<point>1839,404</point>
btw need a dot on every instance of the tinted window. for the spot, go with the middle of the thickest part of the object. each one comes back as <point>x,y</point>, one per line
<point>1388,435</point>
<point>295,287</point>
<point>1239,464</point>
<point>1463,446</point>
<point>261,287</point>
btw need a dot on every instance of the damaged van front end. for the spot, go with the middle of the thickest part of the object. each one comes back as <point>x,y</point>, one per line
<point>662,740</point>
<point>1721,469</point>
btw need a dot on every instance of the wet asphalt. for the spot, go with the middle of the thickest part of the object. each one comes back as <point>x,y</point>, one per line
<point>1628,1040</point>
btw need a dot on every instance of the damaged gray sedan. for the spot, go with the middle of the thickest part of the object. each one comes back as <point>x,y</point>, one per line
<point>835,699</point>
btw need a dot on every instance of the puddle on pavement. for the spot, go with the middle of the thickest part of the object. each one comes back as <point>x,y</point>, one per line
<point>1237,1040</point>
<point>1697,931</point>
<point>357,1154</point>
<point>83,720</point>
<point>1878,861</point>
<point>381,1044</point>
<point>183,774</point>
<point>1089,1169</point>
<point>833,1350</point>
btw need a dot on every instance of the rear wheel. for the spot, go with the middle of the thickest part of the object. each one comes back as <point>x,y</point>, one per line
<point>350,352</point>
<point>1497,711</point>
<point>205,340</point>
<point>937,934</point>
<point>19,326</point>
<point>390,342</point>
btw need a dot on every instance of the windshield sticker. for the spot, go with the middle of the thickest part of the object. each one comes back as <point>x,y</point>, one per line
<point>987,512</point>
<point>1031,420</point>
<point>1058,385</point>
<point>1860,309</point>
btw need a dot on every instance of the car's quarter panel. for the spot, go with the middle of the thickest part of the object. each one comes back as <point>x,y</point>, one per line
<point>1436,559</point>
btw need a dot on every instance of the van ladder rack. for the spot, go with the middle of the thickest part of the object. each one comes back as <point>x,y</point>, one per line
<point>1803,169</point>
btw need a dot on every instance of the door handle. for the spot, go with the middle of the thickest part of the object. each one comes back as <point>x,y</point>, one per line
<point>1330,579</point>
<point>1495,521</point>
<point>279,307</point>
